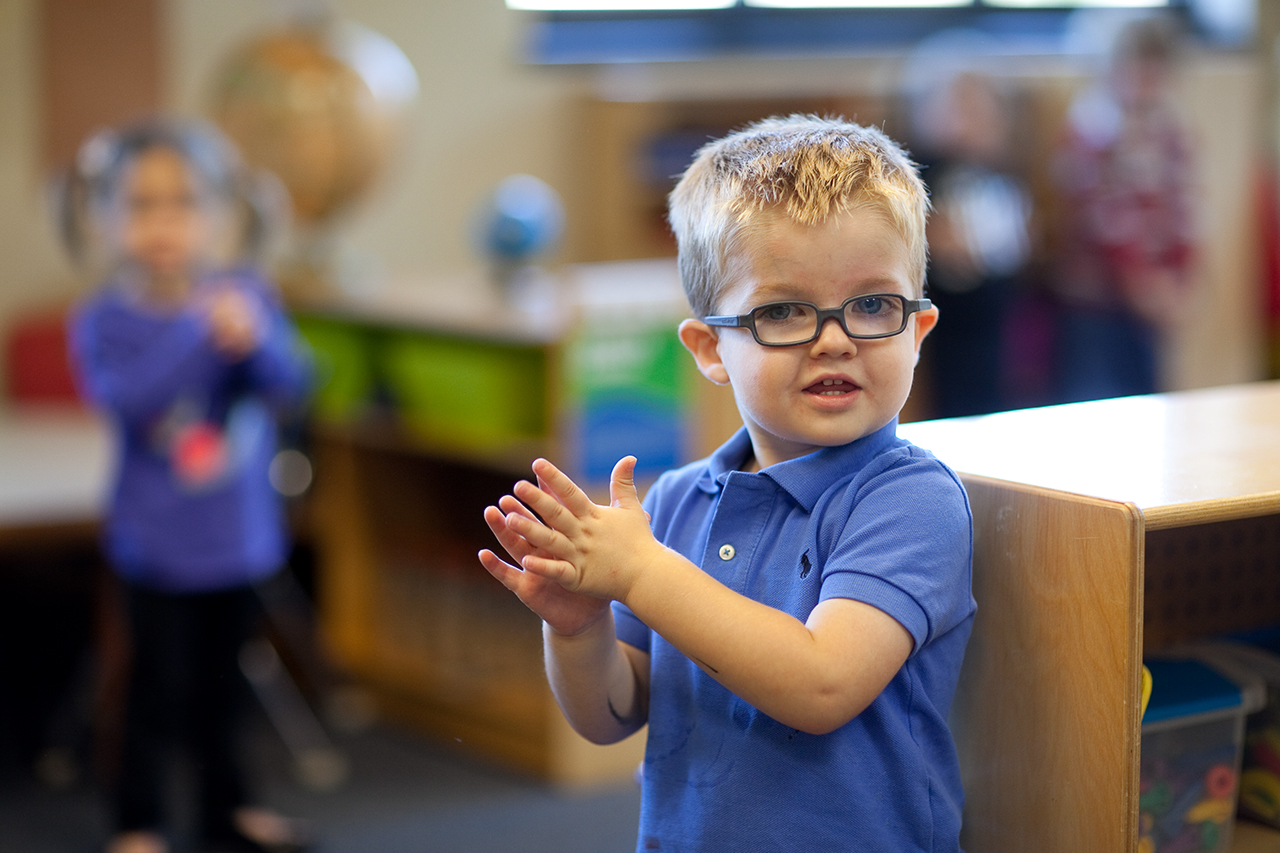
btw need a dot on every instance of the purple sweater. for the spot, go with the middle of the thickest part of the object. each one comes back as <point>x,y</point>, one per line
<point>192,509</point>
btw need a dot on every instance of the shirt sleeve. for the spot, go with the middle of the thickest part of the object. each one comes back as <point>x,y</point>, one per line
<point>629,628</point>
<point>136,379</point>
<point>281,367</point>
<point>907,549</point>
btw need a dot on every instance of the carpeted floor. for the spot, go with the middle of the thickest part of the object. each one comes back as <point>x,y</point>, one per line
<point>403,794</point>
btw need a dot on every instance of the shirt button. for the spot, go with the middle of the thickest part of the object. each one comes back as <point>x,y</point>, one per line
<point>726,552</point>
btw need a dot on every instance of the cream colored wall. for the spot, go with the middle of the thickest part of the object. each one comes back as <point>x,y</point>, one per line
<point>32,268</point>
<point>481,115</point>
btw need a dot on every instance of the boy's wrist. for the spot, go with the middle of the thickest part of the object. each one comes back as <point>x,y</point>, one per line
<point>656,580</point>
<point>602,623</point>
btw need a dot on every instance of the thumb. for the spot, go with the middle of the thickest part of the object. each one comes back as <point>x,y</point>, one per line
<point>622,484</point>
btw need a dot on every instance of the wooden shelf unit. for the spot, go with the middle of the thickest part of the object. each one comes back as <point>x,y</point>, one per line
<point>639,148</point>
<point>1250,837</point>
<point>403,474</point>
<point>1102,529</point>
<point>408,610</point>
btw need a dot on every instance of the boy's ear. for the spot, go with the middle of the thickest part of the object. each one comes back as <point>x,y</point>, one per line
<point>703,342</point>
<point>924,323</point>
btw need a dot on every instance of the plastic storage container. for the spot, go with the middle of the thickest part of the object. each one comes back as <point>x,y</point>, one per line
<point>1192,739</point>
<point>468,394</point>
<point>344,367</point>
<point>1260,769</point>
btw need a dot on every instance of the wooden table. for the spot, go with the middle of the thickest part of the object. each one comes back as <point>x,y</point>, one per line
<point>1102,529</point>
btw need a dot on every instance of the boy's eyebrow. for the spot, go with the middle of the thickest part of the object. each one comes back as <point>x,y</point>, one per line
<point>792,293</point>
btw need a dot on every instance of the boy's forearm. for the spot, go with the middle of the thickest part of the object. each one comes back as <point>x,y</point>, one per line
<point>814,675</point>
<point>595,683</point>
<point>800,676</point>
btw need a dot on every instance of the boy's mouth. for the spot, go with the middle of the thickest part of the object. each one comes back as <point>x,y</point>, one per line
<point>832,388</point>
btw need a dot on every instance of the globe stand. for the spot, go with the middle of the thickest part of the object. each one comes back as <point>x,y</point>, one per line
<point>521,219</point>
<point>528,288</point>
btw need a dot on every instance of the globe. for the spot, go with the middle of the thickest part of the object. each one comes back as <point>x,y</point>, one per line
<point>521,218</point>
<point>322,103</point>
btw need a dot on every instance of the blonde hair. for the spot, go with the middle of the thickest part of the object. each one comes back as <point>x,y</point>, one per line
<point>804,167</point>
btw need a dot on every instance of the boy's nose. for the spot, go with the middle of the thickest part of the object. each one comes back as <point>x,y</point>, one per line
<point>832,337</point>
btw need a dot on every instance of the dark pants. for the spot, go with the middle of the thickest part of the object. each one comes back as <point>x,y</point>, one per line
<point>186,689</point>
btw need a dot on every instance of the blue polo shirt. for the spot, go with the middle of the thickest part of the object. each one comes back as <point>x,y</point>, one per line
<point>879,521</point>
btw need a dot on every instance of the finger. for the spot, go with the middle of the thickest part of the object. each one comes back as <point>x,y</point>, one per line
<point>542,484</point>
<point>508,575</point>
<point>509,504</point>
<point>560,571</point>
<point>513,543</point>
<point>550,510</point>
<point>537,535</point>
<point>564,489</point>
<point>622,484</point>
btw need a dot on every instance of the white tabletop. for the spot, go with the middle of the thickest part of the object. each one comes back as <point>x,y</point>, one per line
<point>54,466</point>
<point>1213,448</point>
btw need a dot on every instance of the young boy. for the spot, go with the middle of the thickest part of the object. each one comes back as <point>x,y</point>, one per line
<point>789,615</point>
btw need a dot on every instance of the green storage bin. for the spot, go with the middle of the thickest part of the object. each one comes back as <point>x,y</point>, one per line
<point>345,378</point>
<point>469,394</point>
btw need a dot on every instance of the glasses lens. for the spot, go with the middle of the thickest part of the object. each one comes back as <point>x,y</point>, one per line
<point>785,322</point>
<point>878,314</point>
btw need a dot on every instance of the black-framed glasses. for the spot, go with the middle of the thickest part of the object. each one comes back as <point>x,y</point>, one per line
<point>785,324</point>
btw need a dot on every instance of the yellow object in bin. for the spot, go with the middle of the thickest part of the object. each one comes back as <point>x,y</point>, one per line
<point>1146,691</point>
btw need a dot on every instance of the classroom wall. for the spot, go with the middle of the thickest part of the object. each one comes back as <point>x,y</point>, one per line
<point>32,268</point>
<point>482,115</point>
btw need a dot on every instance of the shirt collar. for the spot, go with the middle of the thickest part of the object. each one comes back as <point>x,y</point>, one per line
<point>729,457</point>
<point>804,478</point>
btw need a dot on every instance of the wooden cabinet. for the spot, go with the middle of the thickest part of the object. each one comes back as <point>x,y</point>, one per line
<point>1102,529</point>
<point>432,406</point>
<point>638,149</point>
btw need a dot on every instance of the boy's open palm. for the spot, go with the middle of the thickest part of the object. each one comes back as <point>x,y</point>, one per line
<point>566,612</point>
<point>583,546</point>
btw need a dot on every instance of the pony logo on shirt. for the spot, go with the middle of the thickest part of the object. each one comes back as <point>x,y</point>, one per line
<point>805,565</point>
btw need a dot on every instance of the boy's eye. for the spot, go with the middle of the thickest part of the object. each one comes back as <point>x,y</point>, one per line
<point>869,305</point>
<point>781,311</point>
